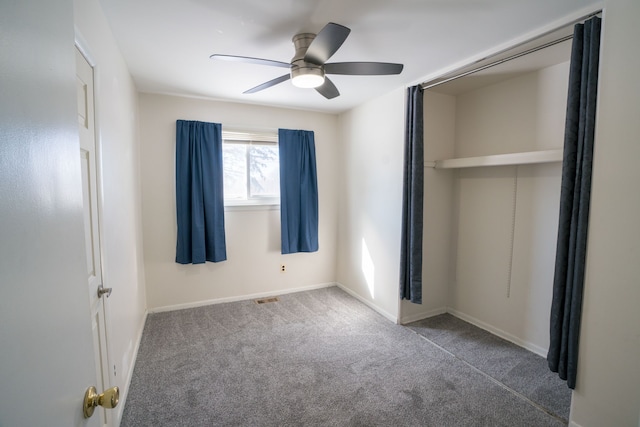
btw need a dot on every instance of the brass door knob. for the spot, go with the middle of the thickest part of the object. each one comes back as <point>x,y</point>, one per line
<point>108,399</point>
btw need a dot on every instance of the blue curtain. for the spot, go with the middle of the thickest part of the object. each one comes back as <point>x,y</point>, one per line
<point>199,193</point>
<point>568,282</point>
<point>298,191</point>
<point>412,196</point>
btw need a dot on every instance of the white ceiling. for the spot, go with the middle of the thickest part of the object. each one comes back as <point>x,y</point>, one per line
<point>167,43</point>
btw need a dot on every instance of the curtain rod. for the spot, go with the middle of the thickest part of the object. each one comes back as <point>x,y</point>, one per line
<point>428,85</point>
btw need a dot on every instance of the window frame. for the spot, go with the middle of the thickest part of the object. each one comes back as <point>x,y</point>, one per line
<point>248,139</point>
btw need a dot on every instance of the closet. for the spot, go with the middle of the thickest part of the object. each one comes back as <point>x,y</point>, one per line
<point>493,157</point>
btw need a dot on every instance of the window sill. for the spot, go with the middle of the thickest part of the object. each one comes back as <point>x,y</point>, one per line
<point>232,206</point>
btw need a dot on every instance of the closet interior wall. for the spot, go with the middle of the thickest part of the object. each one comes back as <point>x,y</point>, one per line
<point>490,232</point>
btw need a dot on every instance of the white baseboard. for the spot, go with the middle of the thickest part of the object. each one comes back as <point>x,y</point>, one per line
<point>574,424</point>
<point>424,315</point>
<point>499,332</point>
<point>125,390</point>
<point>271,294</point>
<point>239,298</point>
<point>368,303</point>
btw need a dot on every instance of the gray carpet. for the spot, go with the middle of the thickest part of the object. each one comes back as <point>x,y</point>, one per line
<point>517,368</point>
<point>317,358</point>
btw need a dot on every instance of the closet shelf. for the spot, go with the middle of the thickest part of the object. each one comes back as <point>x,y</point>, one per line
<point>530,157</point>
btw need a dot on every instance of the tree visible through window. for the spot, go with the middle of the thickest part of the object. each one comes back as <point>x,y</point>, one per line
<point>251,170</point>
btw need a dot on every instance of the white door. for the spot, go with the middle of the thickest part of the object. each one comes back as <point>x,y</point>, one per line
<point>97,293</point>
<point>46,352</point>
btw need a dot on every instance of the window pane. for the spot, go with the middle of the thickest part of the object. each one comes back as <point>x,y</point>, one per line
<point>235,171</point>
<point>265,171</point>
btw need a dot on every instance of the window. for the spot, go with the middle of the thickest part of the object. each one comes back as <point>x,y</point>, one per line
<point>251,169</point>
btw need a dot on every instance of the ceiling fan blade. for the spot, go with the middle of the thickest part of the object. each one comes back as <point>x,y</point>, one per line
<point>250,60</point>
<point>326,43</point>
<point>363,68</point>
<point>268,84</point>
<point>328,89</point>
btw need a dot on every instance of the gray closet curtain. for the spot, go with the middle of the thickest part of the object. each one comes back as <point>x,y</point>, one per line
<point>571,248</point>
<point>411,238</point>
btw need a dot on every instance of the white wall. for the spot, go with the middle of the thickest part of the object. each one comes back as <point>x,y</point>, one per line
<point>503,288</point>
<point>524,113</point>
<point>121,228</point>
<point>608,383</point>
<point>253,237</point>
<point>370,167</point>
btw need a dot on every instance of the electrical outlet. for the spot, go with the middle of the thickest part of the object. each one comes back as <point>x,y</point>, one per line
<point>283,268</point>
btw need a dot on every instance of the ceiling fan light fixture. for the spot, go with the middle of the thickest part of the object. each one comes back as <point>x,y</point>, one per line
<point>308,81</point>
<point>305,77</point>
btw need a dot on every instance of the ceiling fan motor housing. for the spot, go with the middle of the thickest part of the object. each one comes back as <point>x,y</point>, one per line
<point>299,67</point>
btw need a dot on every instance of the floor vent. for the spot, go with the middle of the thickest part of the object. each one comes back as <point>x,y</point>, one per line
<point>266,300</point>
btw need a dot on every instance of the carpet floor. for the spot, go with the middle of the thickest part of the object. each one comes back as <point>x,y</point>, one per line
<point>316,358</point>
<point>515,367</point>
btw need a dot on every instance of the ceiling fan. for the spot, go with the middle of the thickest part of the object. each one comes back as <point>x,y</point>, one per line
<point>308,68</point>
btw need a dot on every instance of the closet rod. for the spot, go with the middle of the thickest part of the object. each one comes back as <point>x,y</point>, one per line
<point>493,64</point>
<point>428,85</point>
